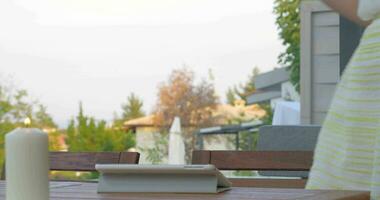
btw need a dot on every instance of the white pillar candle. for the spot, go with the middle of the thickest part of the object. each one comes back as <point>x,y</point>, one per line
<point>27,164</point>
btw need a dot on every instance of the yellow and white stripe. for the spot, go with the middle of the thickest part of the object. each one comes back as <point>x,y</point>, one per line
<point>347,156</point>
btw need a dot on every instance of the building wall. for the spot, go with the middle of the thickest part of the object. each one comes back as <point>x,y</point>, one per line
<point>328,41</point>
<point>320,60</point>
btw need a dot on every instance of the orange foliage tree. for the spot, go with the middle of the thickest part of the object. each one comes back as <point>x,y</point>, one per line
<point>193,102</point>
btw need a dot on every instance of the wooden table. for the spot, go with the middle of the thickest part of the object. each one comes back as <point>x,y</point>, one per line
<point>87,191</point>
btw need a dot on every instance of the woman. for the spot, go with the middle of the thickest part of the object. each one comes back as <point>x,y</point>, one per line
<point>347,156</point>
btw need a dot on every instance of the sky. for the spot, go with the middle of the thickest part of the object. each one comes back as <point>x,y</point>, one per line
<point>99,51</point>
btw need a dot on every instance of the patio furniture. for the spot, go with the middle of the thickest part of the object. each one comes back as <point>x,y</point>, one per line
<point>87,191</point>
<point>287,138</point>
<point>259,160</point>
<point>85,161</point>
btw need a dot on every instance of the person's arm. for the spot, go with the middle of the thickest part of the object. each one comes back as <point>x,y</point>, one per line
<point>347,8</point>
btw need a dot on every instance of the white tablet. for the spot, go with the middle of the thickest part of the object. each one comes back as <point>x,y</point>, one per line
<point>161,178</point>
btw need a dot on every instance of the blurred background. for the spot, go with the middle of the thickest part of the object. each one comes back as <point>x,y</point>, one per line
<point>112,75</point>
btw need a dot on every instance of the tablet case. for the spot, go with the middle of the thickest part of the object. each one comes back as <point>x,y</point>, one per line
<point>162,181</point>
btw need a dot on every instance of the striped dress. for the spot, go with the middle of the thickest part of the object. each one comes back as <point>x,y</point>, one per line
<point>347,156</point>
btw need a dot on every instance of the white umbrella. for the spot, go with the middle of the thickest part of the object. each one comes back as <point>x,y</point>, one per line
<point>176,144</point>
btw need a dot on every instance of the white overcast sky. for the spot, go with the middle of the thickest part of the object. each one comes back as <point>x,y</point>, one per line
<point>98,51</point>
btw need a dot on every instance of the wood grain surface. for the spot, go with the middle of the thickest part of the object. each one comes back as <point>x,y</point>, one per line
<point>259,160</point>
<point>87,191</point>
<point>256,160</point>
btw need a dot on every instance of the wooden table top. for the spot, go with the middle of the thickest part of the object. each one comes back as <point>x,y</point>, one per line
<point>87,191</point>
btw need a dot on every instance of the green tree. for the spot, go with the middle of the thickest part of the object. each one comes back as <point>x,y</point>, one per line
<point>230,96</point>
<point>15,106</point>
<point>6,107</point>
<point>244,90</point>
<point>288,23</point>
<point>55,139</point>
<point>5,104</point>
<point>21,107</point>
<point>248,139</point>
<point>87,134</point>
<point>132,108</point>
<point>159,150</point>
<point>42,118</point>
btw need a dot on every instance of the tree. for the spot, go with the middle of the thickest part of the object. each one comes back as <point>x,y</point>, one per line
<point>248,139</point>
<point>244,90</point>
<point>230,96</point>
<point>15,106</point>
<point>157,153</point>
<point>288,23</point>
<point>132,108</point>
<point>42,119</point>
<point>192,102</point>
<point>87,134</point>
<point>21,107</point>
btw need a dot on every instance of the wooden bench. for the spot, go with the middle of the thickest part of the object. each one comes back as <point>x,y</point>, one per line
<point>259,160</point>
<point>85,161</point>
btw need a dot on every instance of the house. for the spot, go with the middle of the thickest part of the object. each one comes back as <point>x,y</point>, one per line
<point>327,43</point>
<point>148,133</point>
<point>328,40</point>
<point>273,86</point>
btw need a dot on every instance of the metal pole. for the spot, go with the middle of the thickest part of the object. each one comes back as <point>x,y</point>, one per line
<point>250,139</point>
<point>237,141</point>
<point>200,141</point>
